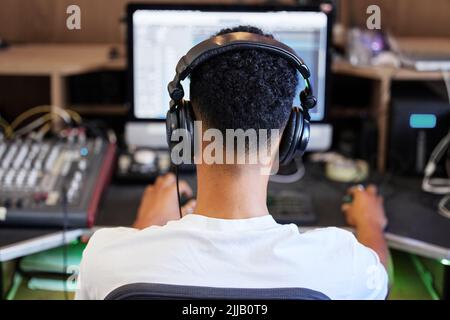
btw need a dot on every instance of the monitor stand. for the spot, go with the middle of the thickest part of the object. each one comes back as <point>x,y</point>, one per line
<point>321,137</point>
<point>153,135</point>
<point>146,134</point>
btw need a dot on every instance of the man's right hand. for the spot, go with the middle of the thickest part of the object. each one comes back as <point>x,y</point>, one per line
<point>366,214</point>
<point>366,209</point>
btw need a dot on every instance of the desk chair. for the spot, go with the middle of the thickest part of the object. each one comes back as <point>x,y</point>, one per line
<point>157,291</point>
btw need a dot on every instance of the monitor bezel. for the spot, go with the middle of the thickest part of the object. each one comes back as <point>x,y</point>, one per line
<point>132,7</point>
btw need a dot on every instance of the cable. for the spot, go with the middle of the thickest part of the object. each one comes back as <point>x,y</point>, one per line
<point>291,178</point>
<point>15,284</point>
<point>31,112</point>
<point>425,277</point>
<point>40,121</point>
<point>442,208</point>
<point>33,125</point>
<point>436,185</point>
<point>439,185</point>
<point>446,77</point>
<point>112,137</point>
<point>441,147</point>
<point>64,247</point>
<point>6,127</point>
<point>75,115</point>
<point>65,114</point>
<point>43,131</point>
<point>178,191</point>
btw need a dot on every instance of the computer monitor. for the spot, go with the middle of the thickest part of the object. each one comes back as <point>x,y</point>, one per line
<point>159,35</point>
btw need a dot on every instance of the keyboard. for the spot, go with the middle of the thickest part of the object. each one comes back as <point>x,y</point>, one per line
<point>289,206</point>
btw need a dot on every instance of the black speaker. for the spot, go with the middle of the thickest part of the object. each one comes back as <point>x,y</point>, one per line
<point>419,119</point>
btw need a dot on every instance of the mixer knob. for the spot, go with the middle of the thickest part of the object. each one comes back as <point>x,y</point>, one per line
<point>37,197</point>
<point>40,197</point>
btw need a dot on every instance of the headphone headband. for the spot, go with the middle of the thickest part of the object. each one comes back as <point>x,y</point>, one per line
<point>181,116</point>
<point>218,45</point>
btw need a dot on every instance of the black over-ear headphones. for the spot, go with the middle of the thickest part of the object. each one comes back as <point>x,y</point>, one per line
<point>181,115</point>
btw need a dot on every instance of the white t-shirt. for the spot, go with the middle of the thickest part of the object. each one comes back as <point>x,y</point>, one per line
<point>243,253</point>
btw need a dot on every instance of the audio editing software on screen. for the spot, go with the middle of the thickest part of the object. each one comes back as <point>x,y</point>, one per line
<point>161,37</point>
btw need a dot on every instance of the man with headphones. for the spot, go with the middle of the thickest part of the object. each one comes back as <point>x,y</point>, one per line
<point>240,79</point>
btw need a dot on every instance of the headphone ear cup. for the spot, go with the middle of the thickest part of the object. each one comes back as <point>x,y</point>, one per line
<point>186,116</point>
<point>180,117</point>
<point>303,138</point>
<point>186,120</point>
<point>171,125</point>
<point>295,137</point>
<point>288,137</point>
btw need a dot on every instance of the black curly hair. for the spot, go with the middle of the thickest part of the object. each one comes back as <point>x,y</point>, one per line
<point>244,89</point>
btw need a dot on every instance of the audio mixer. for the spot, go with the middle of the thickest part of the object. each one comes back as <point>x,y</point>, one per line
<point>53,182</point>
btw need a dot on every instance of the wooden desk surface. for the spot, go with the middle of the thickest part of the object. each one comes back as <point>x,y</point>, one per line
<point>62,59</point>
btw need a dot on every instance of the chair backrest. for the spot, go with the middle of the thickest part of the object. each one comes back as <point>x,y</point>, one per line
<point>157,291</point>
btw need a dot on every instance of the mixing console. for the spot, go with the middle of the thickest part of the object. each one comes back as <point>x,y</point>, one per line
<point>35,175</point>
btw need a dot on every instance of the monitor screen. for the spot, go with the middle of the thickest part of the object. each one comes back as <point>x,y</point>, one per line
<point>161,37</point>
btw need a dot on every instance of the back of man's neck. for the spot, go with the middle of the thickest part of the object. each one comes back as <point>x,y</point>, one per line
<point>224,194</point>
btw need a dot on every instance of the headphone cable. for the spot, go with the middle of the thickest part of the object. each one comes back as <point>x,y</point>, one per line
<point>290,178</point>
<point>178,191</point>
<point>64,237</point>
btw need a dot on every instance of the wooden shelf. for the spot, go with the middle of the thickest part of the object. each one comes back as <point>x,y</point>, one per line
<point>58,61</point>
<point>61,59</point>
<point>379,73</point>
<point>97,109</point>
<point>337,112</point>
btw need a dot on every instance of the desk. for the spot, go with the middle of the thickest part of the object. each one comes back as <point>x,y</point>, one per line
<point>19,242</point>
<point>414,225</point>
